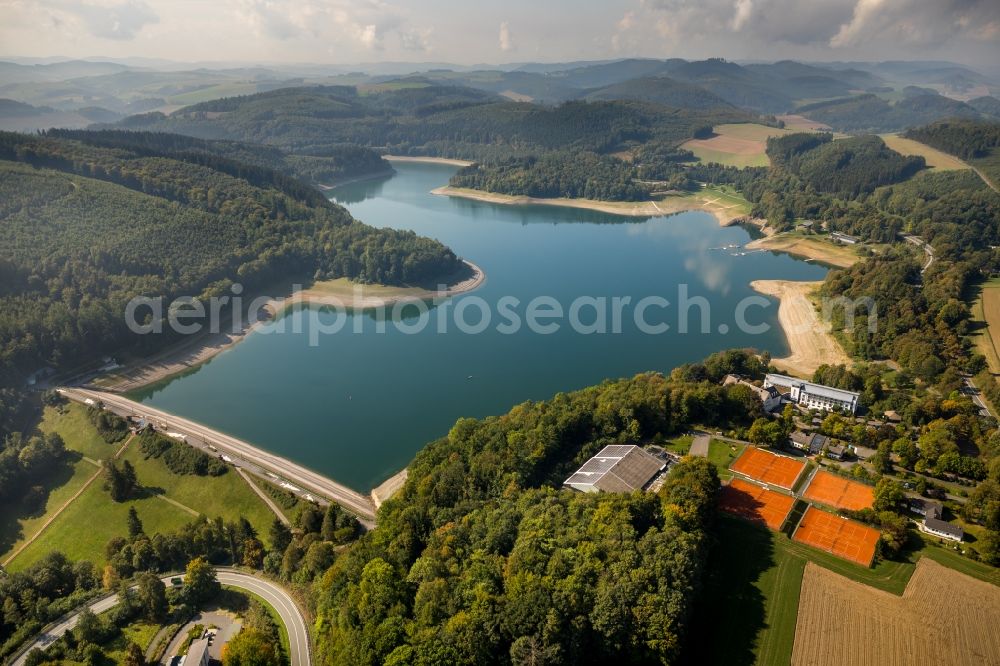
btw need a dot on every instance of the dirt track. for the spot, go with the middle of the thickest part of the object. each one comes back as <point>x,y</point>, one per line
<point>944,618</point>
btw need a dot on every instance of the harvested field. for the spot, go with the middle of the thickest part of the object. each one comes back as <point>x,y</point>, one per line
<point>941,619</point>
<point>764,466</point>
<point>755,503</point>
<point>836,491</point>
<point>800,123</point>
<point>986,309</point>
<point>844,538</point>
<point>935,159</point>
<point>739,145</point>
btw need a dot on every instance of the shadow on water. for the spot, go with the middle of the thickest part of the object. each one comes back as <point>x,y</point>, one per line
<point>730,611</point>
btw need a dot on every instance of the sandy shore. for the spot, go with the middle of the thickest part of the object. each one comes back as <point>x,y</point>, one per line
<point>428,160</point>
<point>669,206</point>
<point>192,352</point>
<point>808,248</point>
<point>811,343</point>
<point>389,487</point>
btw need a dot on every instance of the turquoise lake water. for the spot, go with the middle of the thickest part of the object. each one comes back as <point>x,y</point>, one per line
<point>357,406</point>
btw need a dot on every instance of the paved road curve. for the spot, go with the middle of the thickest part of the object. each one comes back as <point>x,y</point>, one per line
<point>241,454</point>
<point>280,600</point>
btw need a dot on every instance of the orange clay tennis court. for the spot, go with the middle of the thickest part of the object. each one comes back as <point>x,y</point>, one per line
<point>752,502</point>
<point>768,467</point>
<point>840,536</point>
<point>833,490</point>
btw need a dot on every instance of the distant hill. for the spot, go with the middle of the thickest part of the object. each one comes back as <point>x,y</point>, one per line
<point>431,120</point>
<point>987,105</point>
<point>869,113</point>
<point>20,117</point>
<point>662,90</point>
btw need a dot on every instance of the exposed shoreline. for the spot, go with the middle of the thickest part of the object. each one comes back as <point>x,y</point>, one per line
<point>385,490</point>
<point>428,160</point>
<point>191,353</point>
<point>810,342</point>
<point>805,248</point>
<point>670,206</point>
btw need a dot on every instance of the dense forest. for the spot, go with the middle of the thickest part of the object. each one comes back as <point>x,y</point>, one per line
<point>965,139</point>
<point>87,227</point>
<point>847,168</point>
<point>870,113</point>
<point>434,120</point>
<point>576,175</point>
<point>478,560</point>
<point>323,166</point>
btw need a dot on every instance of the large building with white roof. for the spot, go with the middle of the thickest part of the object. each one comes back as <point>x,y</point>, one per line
<point>814,396</point>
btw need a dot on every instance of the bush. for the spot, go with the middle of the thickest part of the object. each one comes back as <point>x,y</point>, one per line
<point>180,458</point>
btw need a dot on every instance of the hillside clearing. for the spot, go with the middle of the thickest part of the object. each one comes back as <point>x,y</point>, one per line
<point>739,145</point>
<point>986,321</point>
<point>934,157</point>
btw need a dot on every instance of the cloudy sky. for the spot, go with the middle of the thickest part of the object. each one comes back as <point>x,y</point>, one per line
<point>488,31</point>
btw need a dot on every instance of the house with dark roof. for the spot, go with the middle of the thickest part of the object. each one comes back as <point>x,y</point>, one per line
<point>618,468</point>
<point>770,397</point>
<point>812,443</point>
<point>926,508</point>
<point>943,529</point>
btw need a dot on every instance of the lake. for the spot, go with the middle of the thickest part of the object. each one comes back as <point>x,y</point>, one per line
<point>357,406</point>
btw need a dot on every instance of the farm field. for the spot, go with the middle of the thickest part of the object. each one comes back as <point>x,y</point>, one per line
<point>768,467</point>
<point>935,158</point>
<point>986,319</point>
<point>836,491</point>
<point>839,536</point>
<point>755,503</point>
<point>938,620</point>
<point>739,145</point>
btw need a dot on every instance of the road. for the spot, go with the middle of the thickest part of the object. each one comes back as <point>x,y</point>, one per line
<point>287,474</point>
<point>280,600</point>
<point>970,389</point>
<point>928,250</point>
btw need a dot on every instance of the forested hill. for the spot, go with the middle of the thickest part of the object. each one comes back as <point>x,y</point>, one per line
<point>431,120</point>
<point>869,113</point>
<point>849,167</point>
<point>84,228</point>
<point>480,560</point>
<point>323,166</point>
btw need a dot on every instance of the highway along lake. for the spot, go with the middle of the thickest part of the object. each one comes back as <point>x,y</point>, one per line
<point>357,406</point>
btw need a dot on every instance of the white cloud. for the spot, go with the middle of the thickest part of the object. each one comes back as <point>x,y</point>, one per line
<point>741,14</point>
<point>366,22</point>
<point>506,42</point>
<point>415,40</point>
<point>107,20</point>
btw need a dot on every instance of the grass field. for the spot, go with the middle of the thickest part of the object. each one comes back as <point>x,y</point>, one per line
<point>728,197</point>
<point>679,445</point>
<point>86,526</point>
<point>722,454</point>
<point>89,522</point>
<point>739,145</point>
